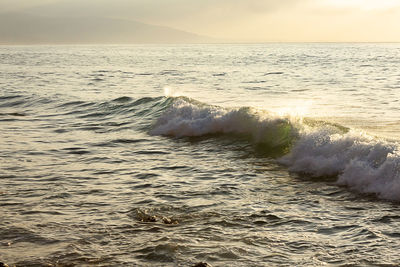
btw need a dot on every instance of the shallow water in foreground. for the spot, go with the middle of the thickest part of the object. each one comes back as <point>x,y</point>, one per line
<point>272,158</point>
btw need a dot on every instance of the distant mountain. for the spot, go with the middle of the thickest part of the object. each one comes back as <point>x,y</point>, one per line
<point>18,28</point>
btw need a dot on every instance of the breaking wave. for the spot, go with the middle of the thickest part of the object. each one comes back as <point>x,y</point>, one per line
<point>362,162</point>
<point>187,117</point>
<point>319,149</point>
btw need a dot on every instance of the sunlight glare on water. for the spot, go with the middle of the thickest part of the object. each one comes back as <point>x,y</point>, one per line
<point>298,109</point>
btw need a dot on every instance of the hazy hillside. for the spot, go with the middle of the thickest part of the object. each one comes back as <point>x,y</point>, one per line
<point>17,28</point>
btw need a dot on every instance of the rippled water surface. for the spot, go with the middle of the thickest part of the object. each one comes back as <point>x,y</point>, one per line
<point>234,155</point>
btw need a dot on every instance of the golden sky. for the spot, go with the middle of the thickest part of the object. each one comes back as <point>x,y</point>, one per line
<point>242,20</point>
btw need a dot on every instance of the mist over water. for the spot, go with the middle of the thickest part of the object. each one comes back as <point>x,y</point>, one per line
<point>244,155</point>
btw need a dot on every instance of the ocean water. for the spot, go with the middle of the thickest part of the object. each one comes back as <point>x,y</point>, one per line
<point>171,155</point>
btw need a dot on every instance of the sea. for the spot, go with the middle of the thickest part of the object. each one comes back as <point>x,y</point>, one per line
<point>277,154</point>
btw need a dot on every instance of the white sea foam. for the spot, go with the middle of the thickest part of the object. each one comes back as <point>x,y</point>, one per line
<point>362,162</point>
<point>189,118</point>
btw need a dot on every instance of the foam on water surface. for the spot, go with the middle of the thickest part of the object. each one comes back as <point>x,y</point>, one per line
<point>365,163</point>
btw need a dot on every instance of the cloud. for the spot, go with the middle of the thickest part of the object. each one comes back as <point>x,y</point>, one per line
<point>207,17</point>
<point>13,5</point>
<point>161,10</point>
<point>242,20</point>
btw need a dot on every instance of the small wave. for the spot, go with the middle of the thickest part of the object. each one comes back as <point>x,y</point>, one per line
<point>16,234</point>
<point>128,141</point>
<point>13,114</point>
<point>9,97</point>
<point>119,110</point>
<point>219,74</point>
<point>170,72</point>
<point>123,99</point>
<point>12,102</point>
<point>256,81</point>
<point>364,163</point>
<point>72,103</point>
<point>273,73</point>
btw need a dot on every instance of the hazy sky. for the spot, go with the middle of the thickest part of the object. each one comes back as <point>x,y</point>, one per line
<point>242,20</point>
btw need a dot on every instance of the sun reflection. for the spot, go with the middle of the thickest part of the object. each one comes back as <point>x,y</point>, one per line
<point>169,92</point>
<point>296,110</point>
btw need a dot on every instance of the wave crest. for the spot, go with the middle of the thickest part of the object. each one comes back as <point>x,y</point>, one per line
<point>188,118</point>
<point>362,162</point>
<point>319,149</point>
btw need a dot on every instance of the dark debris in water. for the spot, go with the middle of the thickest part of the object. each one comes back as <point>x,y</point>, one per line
<point>143,216</point>
<point>202,264</point>
<point>169,220</point>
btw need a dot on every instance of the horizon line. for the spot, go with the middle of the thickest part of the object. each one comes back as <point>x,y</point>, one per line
<point>201,43</point>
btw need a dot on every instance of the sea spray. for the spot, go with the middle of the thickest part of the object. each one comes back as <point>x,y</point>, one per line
<point>188,118</point>
<point>364,163</point>
<point>316,148</point>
